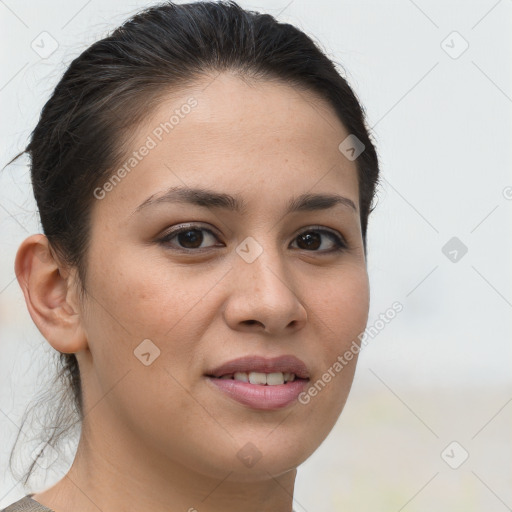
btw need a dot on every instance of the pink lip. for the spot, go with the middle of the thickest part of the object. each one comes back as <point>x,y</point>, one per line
<point>260,396</point>
<point>254,363</point>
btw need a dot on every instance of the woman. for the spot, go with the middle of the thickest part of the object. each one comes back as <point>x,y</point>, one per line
<point>204,178</point>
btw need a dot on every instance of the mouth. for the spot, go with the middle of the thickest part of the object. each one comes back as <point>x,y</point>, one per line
<point>261,383</point>
<point>261,378</point>
<point>261,370</point>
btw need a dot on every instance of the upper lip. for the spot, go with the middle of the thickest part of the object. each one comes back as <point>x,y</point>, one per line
<point>255,363</point>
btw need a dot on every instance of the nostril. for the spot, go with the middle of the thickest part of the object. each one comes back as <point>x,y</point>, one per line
<point>251,323</point>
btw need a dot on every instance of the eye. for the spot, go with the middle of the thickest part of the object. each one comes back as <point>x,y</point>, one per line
<point>311,240</point>
<point>189,237</point>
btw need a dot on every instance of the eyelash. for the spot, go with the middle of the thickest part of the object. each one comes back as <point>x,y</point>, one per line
<point>340,244</point>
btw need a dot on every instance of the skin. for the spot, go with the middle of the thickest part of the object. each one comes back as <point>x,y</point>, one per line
<point>159,437</point>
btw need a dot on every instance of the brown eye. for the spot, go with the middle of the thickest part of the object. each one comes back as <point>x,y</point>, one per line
<point>313,238</point>
<point>190,239</point>
<point>310,240</point>
<point>187,238</point>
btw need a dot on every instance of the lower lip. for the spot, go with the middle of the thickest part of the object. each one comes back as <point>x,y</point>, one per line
<point>260,396</point>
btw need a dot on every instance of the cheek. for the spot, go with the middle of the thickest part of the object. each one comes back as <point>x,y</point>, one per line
<point>147,297</point>
<point>341,303</point>
<point>134,300</point>
<point>141,299</point>
<point>340,310</point>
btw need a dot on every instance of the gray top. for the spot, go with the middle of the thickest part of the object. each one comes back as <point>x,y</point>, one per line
<point>26,504</point>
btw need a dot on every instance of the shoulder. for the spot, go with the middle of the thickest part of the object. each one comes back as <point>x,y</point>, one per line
<point>26,504</point>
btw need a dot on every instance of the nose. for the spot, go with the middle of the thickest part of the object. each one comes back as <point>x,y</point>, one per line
<point>264,296</point>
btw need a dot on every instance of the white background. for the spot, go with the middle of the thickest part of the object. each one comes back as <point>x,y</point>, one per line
<point>441,370</point>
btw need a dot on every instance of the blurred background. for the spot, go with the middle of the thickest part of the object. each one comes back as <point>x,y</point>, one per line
<point>428,422</point>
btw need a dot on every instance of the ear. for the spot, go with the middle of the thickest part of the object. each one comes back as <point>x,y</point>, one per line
<point>50,294</point>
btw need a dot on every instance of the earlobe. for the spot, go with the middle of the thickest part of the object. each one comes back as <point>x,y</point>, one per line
<point>50,295</point>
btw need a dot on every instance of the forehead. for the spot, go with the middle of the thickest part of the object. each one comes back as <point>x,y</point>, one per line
<point>227,132</point>
<point>232,105</point>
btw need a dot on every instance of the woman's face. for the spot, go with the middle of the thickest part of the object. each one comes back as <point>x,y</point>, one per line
<point>163,311</point>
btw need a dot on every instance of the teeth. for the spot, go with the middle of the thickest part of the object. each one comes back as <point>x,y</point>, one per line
<point>275,378</point>
<point>271,379</point>
<point>241,376</point>
<point>257,378</point>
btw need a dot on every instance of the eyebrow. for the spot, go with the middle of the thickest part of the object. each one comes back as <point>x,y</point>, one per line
<point>218,200</point>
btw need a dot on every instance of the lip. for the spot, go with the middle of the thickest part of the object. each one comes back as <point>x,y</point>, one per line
<point>255,363</point>
<point>258,396</point>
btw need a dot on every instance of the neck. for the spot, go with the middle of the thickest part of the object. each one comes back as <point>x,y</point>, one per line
<point>106,475</point>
